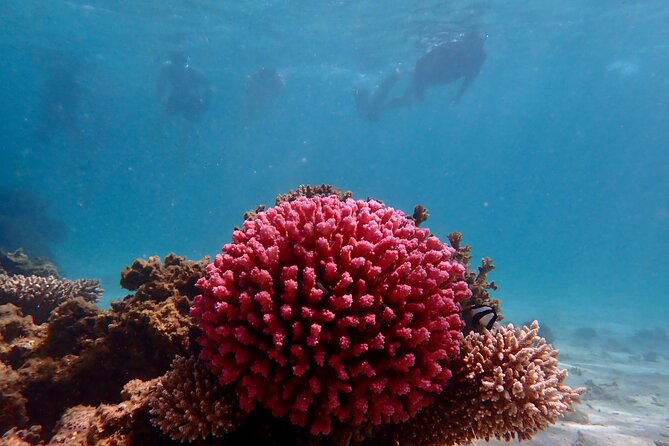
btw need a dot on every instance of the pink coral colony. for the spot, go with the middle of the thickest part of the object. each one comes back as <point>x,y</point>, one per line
<point>326,310</point>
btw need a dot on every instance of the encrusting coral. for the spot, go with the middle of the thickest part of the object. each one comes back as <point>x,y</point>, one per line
<point>39,296</point>
<point>122,424</point>
<point>12,403</point>
<point>188,403</point>
<point>337,315</point>
<point>324,310</point>
<point>19,335</point>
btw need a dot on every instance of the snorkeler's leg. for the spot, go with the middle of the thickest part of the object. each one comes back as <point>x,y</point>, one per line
<point>380,96</point>
<point>370,107</point>
<point>414,93</point>
<point>463,87</point>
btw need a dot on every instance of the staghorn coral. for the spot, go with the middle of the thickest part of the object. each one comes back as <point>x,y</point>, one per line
<point>188,403</point>
<point>38,296</point>
<point>506,385</point>
<point>326,310</point>
<point>477,282</point>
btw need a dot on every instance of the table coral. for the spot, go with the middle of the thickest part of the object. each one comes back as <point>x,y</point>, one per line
<point>39,296</point>
<point>327,311</point>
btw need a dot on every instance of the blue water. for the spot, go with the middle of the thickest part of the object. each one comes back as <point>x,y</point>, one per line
<point>555,163</point>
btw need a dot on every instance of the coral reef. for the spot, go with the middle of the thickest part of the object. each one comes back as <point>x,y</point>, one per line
<point>188,403</point>
<point>364,325</point>
<point>12,403</point>
<point>122,424</point>
<point>18,262</point>
<point>84,356</point>
<point>39,296</point>
<point>350,297</point>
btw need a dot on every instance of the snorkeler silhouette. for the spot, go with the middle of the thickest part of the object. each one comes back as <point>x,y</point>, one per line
<point>60,99</point>
<point>185,94</point>
<point>446,62</point>
<point>263,88</point>
<point>183,90</point>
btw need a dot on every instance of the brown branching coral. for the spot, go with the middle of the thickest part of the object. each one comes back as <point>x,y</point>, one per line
<point>506,385</point>
<point>420,214</point>
<point>477,281</point>
<point>189,403</point>
<point>251,214</point>
<point>38,296</point>
<point>323,190</point>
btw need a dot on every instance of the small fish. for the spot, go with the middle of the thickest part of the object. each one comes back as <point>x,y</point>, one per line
<point>483,315</point>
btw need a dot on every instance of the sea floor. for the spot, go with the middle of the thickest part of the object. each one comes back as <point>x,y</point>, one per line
<point>626,373</point>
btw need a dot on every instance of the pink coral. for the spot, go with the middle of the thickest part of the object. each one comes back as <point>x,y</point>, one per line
<point>327,310</point>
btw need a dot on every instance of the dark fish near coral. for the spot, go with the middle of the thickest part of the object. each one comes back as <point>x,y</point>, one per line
<point>478,316</point>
